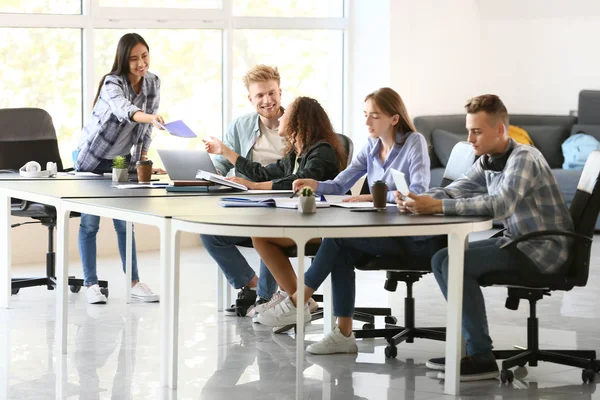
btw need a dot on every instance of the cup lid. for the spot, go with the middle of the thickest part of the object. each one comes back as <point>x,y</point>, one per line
<point>144,162</point>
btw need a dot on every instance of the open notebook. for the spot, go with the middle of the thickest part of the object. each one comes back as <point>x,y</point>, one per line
<point>264,202</point>
<point>219,180</point>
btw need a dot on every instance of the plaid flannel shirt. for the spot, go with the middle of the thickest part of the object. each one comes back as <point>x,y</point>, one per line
<point>112,112</point>
<point>524,196</point>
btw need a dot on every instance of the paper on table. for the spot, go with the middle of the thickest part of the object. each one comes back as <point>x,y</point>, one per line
<point>178,128</point>
<point>254,191</point>
<point>77,173</point>
<point>278,202</point>
<point>142,185</point>
<point>357,204</point>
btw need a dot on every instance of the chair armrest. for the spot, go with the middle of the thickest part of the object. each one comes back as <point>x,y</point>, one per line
<point>498,234</point>
<point>551,232</point>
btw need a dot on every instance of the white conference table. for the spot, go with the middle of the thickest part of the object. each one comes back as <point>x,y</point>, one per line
<point>55,192</point>
<point>329,223</point>
<point>209,218</point>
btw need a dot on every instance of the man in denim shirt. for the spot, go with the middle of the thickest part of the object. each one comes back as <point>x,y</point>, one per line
<point>256,137</point>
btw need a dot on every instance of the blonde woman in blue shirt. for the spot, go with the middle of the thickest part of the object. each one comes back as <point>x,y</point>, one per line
<point>393,144</point>
<point>125,109</point>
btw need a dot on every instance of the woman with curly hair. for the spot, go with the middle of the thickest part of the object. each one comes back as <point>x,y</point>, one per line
<point>314,151</point>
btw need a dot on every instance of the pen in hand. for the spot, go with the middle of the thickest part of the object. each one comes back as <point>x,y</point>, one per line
<point>295,193</point>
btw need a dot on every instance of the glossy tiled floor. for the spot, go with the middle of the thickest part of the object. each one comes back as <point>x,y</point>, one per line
<point>113,348</point>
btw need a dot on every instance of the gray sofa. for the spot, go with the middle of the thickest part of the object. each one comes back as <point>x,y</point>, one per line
<point>548,132</point>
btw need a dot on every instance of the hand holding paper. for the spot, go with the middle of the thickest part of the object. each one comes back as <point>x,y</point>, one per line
<point>177,128</point>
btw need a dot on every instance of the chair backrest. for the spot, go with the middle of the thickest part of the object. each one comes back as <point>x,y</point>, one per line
<point>348,146</point>
<point>27,134</point>
<point>584,211</point>
<point>461,159</point>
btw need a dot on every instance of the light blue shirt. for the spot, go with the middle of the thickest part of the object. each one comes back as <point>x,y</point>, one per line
<point>411,158</point>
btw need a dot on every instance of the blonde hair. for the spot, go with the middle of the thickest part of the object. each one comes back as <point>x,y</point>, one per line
<point>261,73</point>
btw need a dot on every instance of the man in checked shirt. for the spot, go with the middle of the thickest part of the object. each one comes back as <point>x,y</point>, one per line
<point>513,184</point>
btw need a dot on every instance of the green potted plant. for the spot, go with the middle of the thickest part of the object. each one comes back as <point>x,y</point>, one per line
<point>119,169</point>
<point>306,202</point>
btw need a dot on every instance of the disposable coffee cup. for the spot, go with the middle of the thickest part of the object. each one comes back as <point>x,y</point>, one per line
<point>379,191</point>
<point>144,171</point>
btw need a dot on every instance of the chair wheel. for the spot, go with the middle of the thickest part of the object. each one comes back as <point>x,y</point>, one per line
<point>588,375</point>
<point>104,291</point>
<point>15,291</point>
<point>368,326</point>
<point>391,351</point>
<point>74,288</point>
<point>506,375</point>
<point>391,320</point>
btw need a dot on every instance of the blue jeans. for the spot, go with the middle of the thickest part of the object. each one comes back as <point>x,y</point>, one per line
<point>339,256</point>
<point>482,257</point>
<point>88,229</point>
<point>87,247</point>
<point>235,267</point>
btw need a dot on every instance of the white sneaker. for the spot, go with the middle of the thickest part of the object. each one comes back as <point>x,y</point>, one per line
<point>142,292</point>
<point>93,295</point>
<point>334,342</point>
<point>312,305</point>
<point>283,313</point>
<point>276,299</point>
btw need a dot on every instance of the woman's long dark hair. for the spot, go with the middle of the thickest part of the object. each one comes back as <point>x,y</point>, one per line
<point>308,123</point>
<point>121,63</point>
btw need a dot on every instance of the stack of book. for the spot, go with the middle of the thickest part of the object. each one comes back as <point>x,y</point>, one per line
<point>195,185</point>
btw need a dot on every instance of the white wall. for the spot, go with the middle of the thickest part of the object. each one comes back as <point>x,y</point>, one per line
<point>369,59</point>
<point>538,54</point>
<point>30,242</point>
<point>435,54</point>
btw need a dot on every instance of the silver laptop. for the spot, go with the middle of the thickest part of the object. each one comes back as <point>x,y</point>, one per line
<point>184,164</point>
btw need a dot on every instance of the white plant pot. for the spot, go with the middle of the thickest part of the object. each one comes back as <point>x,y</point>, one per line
<point>307,205</point>
<point>120,175</point>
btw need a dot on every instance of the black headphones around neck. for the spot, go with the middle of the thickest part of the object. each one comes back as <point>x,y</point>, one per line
<point>496,164</point>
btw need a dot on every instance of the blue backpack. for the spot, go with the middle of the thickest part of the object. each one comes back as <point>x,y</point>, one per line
<point>577,148</point>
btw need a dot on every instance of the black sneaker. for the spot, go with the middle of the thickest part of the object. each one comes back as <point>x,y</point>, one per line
<point>230,310</point>
<point>476,369</point>
<point>245,299</point>
<point>438,364</point>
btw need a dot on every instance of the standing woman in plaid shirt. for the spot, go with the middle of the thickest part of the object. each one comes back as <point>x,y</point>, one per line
<point>125,109</point>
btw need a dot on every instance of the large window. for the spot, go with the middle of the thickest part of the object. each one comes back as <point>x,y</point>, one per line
<point>54,53</point>
<point>289,8</point>
<point>42,68</point>
<point>310,64</point>
<point>161,3</point>
<point>189,64</point>
<point>41,6</point>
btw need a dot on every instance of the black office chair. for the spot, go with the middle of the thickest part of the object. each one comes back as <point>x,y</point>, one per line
<point>27,134</point>
<point>409,270</point>
<point>533,287</point>
<point>311,249</point>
